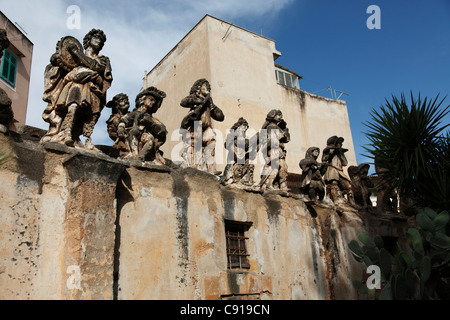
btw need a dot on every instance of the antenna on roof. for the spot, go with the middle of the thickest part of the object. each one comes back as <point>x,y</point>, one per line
<point>18,25</point>
<point>334,92</point>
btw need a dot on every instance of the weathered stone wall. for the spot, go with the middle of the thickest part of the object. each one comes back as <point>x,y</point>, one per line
<point>76,225</point>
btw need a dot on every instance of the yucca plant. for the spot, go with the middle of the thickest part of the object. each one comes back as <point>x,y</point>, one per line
<point>408,141</point>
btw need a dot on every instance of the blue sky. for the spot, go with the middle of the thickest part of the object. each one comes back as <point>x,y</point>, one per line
<point>325,41</point>
<point>329,44</point>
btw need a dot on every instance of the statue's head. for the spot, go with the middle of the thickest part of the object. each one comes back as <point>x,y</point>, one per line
<point>150,98</point>
<point>335,141</point>
<point>120,102</point>
<point>4,42</point>
<point>241,123</point>
<point>197,86</point>
<point>312,152</point>
<point>364,168</point>
<point>274,116</point>
<point>98,35</point>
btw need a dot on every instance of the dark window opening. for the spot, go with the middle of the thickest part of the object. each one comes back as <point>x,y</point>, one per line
<point>390,244</point>
<point>237,255</point>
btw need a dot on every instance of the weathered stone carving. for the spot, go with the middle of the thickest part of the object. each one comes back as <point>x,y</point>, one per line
<point>4,42</point>
<point>274,135</point>
<point>76,82</point>
<point>6,112</point>
<point>145,134</point>
<point>337,182</point>
<point>312,184</point>
<point>239,170</point>
<point>120,105</point>
<point>361,184</point>
<point>387,199</point>
<point>197,127</point>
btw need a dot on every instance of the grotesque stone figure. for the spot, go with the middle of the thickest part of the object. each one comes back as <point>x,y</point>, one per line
<point>4,42</point>
<point>239,170</point>
<point>361,184</point>
<point>76,82</point>
<point>273,137</point>
<point>312,183</point>
<point>387,198</point>
<point>338,184</point>
<point>116,127</point>
<point>146,134</point>
<point>6,112</point>
<point>199,137</point>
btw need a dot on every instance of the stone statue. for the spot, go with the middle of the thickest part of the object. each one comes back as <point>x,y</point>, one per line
<point>4,42</point>
<point>239,170</point>
<point>76,82</point>
<point>361,184</point>
<point>120,105</point>
<point>199,137</point>
<point>312,184</point>
<point>145,133</point>
<point>338,184</point>
<point>387,199</point>
<point>6,112</point>
<point>273,136</point>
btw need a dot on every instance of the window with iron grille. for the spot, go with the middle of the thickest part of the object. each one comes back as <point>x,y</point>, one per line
<point>237,255</point>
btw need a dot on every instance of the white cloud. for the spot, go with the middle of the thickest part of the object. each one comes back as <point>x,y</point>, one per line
<point>139,32</point>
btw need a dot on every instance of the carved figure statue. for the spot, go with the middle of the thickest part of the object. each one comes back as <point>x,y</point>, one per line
<point>76,83</point>
<point>387,198</point>
<point>273,137</point>
<point>199,145</point>
<point>6,112</point>
<point>145,133</point>
<point>120,105</point>
<point>338,184</point>
<point>361,184</point>
<point>4,42</point>
<point>239,170</point>
<point>312,183</point>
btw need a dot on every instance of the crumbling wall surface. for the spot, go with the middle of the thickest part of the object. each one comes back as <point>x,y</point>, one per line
<point>173,242</point>
<point>57,221</point>
<point>81,225</point>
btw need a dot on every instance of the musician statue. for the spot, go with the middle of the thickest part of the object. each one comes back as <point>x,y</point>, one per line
<point>197,127</point>
<point>312,184</point>
<point>273,137</point>
<point>362,184</point>
<point>6,112</point>
<point>241,150</point>
<point>338,183</point>
<point>76,82</point>
<point>145,134</point>
<point>120,105</point>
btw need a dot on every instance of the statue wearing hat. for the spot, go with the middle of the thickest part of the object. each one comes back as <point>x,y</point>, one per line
<point>338,183</point>
<point>145,133</point>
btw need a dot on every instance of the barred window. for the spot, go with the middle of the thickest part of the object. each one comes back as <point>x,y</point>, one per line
<point>237,255</point>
